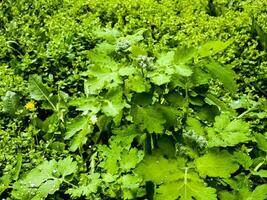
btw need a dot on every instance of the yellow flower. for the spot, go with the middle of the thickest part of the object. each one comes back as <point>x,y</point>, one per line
<point>30,105</point>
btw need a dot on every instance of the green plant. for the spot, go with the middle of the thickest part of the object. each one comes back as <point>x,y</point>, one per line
<point>111,105</point>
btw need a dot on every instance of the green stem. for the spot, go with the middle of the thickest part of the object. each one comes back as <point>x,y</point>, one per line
<point>148,146</point>
<point>69,183</point>
<point>187,98</point>
<point>185,180</point>
<point>259,165</point>
<point>64,181</point>
<point>92,163</point>
<point>246,112</point>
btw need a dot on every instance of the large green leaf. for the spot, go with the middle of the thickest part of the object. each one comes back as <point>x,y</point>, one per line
<point>212,100</point>
<point>173,179</point>
<point>223,74</point>
<point>76,125</point>
<point>137,84</point>
<point>77,131</point>
<point>149,119</point>
<point>190,187</point>
<point>113,103</point>
<point>184,54</point>
<point>159,78</point>
<point>170,114</point>
<point>160,170</point>
<point>262,35</point>
<point>213,47</point>
<point>43,180</point>
<point>119,156</point>
<point>86,104</point>
<point>216,164</point>
<point>228,133</point>
<point>93,183</point>
<point>39,91</point>
<point>101,78</point>
<point>11,176</point>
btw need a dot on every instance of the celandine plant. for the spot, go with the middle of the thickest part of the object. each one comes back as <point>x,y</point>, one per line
<point>151,109</point>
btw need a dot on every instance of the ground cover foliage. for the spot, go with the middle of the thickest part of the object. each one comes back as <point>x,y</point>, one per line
<point>132,99</point>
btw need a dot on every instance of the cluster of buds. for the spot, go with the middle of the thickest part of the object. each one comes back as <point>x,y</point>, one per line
<point>181,150</point>
<point>145,61</point>
<point>192,136</point>
<point>122,46</point>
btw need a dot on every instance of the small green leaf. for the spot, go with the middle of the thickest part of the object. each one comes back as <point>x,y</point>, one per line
<point>137,84</point>
<point>160,79</point>
<point>5,181</point>
<point>136,50</point>
<point>80,138</point>
<point>108,34</point>
<point>262,173</point>
<point>166,59</point>
<point>94,181</point>
<point>66,166</point>
<point>10,103</point>
<point>261,142</point>
<point>17,168</point>
<point>138,36</point>
<point>129,159</point>
<point>212,100</point>
<point>130,185</point>
<point>260,193</point>
<point>111,109</point>
<point>226,195</point>
<point>76,125</point>
<point>243,159</point>
<point>262,35</point>
<point>183,70</point>
<point>195,125</point>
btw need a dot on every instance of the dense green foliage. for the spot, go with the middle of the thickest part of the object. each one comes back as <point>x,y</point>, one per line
<point>146,99</point>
